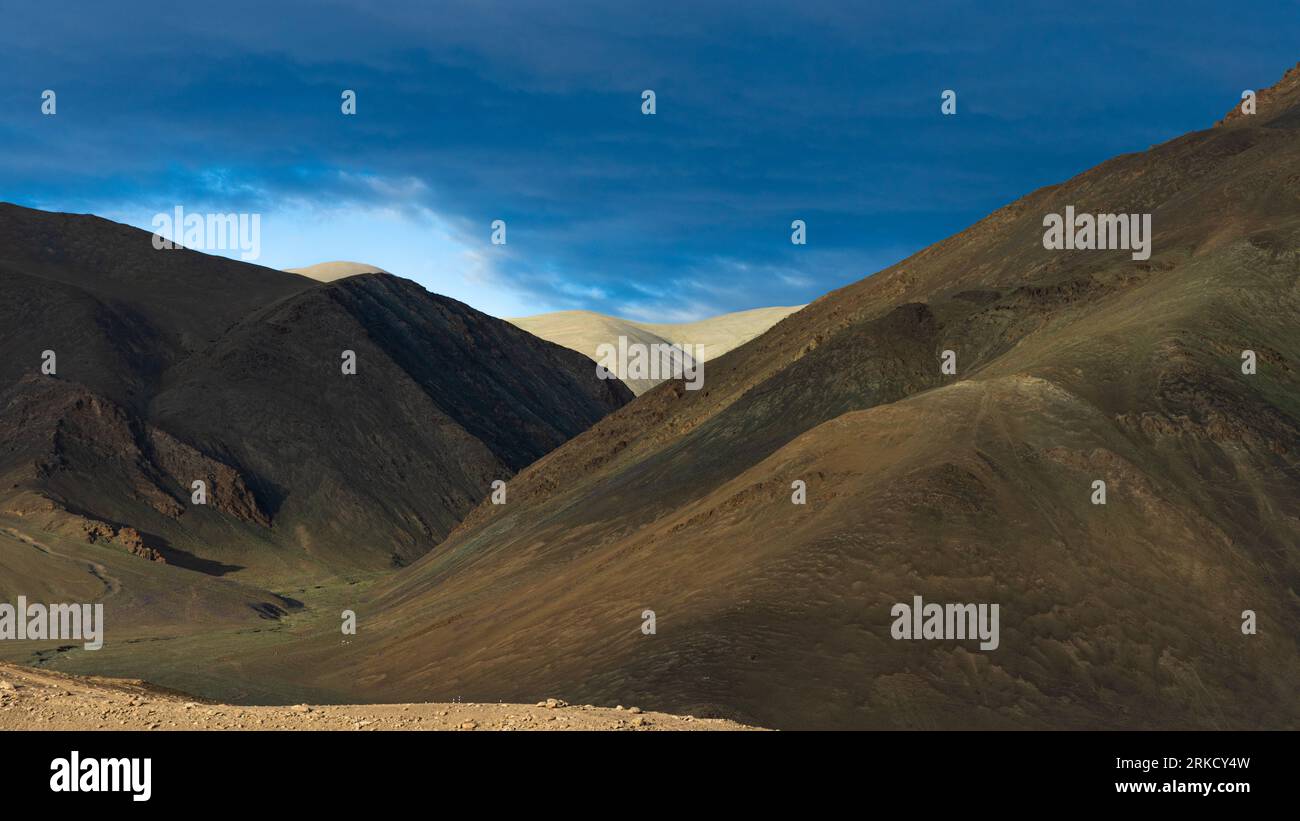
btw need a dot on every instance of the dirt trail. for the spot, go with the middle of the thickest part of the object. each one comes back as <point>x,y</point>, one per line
<point>99,571</point>
<point>36,699</point>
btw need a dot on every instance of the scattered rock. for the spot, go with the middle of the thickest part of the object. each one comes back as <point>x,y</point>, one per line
<point>32,698</point>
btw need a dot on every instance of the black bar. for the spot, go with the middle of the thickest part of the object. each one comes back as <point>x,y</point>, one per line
<point>456,771</point>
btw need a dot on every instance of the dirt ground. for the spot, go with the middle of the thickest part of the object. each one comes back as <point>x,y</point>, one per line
<point>34,699</point>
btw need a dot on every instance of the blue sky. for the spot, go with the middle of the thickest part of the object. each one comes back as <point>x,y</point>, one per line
<point>530,112</point>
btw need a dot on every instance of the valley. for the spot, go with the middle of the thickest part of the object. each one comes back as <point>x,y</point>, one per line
<point>1062,441</point>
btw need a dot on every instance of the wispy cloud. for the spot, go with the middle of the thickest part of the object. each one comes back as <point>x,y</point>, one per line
<point>529,112</point>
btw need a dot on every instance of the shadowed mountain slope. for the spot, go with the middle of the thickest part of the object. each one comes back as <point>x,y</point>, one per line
<point>173,366</point>
<point>79,283</point>
<point>445,401</point>
<point>1072,367</point>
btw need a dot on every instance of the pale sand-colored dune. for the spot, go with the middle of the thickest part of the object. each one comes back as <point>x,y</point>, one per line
<point>721,333</point>
<point>36,699</point>
<point>585,331</point>
<point>330,271</point>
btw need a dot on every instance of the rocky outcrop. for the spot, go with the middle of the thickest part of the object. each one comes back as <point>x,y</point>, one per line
<point>57,435</point>
<point>125,538</point>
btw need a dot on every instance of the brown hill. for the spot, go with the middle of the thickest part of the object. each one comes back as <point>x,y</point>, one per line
<point>1073,366</point>
<point>118,310</point>
<point>445,401</point>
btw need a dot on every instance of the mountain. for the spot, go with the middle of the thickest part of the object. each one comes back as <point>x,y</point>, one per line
<point>172,366</point>
<point>121,311</point>
<point>1072,367</point>
<point>446,400</point>
<point>330,271</point>
<point>586,331</point>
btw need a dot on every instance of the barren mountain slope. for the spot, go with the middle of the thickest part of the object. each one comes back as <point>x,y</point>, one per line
<point>116,311</point>
<point>586,331</point>
<point>174,367</point>
<point>445,401</point>
<point>722,333</point>
<point>1073,366</point>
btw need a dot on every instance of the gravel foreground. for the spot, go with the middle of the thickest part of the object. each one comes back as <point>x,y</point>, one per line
<point>34,699</point>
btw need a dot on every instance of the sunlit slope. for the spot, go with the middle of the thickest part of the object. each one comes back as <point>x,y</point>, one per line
<point>1072,367</point>
<point>339,269</point>
<point>707,339</point>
